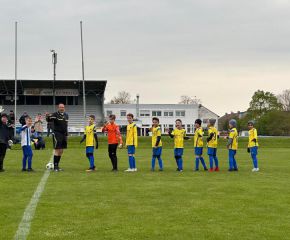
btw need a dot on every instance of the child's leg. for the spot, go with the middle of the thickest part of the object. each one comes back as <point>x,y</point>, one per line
<point>160,163</point>
<point>234,161</point>
<point>211,158</point>
<point>30,155</point>
<point>196,162</point>
<point>216,161</point>
<point>134,162</point>
<point>202,162</point>
<point>114,156</point>
<point>24,157</point>
<point>254,157</point>
<point>231,161</point>
<point>180,163</point>
<point>153,162</point>
<point>130,160</point>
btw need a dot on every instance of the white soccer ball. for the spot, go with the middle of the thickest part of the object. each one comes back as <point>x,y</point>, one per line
<point>49,166</point>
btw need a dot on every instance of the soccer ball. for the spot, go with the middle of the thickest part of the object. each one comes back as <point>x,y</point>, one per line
<point>49,166</point>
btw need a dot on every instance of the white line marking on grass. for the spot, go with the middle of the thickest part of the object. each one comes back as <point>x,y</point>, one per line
<point>24,225</point>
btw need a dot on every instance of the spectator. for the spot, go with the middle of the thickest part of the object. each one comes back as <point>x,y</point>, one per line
<point>38,124</point>
<point>22,118</point>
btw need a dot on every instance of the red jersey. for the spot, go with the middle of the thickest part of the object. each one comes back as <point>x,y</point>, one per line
<point>114,135</point>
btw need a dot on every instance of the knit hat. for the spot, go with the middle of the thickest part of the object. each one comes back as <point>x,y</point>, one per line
<point>198,121</point>
<point>233,122</point>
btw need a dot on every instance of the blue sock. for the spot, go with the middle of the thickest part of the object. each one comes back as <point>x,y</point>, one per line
<point>196,163</point>
<point>180,162</point>
<point>160,163</point>
<point>211,161</point>
<point>153,162</point>
<point>216,161</point>
<point>130,161</point>
<point>176,160</point>
<point>235,163</point>
<point>134,162</point>
<point>203,162</point>
<point>92,161</point>
<point>29,161</point>
<point>255,160</point>
<point>231,161</point>
<point>24,162</point>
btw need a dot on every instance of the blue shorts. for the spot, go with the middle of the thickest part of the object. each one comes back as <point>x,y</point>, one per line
<point>90,149</point>
<point>27,151</point>
<point>198,150</point>
<point>157,151</point>
<point>178,152</point>
<point>254,150</point>
<point>131,149</point>
<point>211,151</point>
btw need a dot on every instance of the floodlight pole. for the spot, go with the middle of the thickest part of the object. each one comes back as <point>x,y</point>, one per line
<point>15,86</point>
<point>83,74</point>
<point>54,62</point>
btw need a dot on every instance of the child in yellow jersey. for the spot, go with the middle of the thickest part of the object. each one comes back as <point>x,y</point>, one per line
<point>212,142</point>
<point>156,144</point>
<point>232,145</point>
<point>131,142</point>
<point>90,135</point>
<point>179,134</point>
<point>198,145</point>
<point>253,145</point>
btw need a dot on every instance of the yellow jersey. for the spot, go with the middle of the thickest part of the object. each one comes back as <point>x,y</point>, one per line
<point>253,134</point>
<point>90,135</point>
<point>214,140</point>
<point>233,135</point>
<point>179,135</point>
<point>131,137</point>
<point>197,139</point>
<point>156,132</point>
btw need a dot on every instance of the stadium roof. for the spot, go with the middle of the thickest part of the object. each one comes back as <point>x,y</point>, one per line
<point>92,86</point>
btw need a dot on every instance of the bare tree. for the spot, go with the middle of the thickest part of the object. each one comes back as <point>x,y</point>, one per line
<point>284,99</point>
<point>123,97</point>
<point>184,99</point>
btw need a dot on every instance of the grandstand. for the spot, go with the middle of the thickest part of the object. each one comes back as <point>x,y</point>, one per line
<point>36,96</point>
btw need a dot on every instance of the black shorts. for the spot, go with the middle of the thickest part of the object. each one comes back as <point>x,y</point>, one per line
<point>59,140</point>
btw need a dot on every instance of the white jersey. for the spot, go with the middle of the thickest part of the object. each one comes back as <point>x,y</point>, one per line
<point>25,136</point>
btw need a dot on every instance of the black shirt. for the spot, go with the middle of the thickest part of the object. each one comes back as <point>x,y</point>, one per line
<point>60,122</point>
<point>4,134</point>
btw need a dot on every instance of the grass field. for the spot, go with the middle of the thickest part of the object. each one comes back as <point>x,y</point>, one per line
<point>151,205</point>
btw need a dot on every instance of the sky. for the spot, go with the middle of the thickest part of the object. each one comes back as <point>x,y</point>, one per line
<point>219,51</point>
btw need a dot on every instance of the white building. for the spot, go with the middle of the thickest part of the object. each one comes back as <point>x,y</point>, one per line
<point>167,114</point>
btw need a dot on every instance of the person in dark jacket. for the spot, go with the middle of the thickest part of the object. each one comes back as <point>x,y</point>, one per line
<point>5,139</point>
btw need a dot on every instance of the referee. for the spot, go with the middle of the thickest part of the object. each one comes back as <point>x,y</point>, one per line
<point>60,133</point>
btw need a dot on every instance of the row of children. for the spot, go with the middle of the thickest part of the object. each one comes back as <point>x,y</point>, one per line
<point>179,135</point>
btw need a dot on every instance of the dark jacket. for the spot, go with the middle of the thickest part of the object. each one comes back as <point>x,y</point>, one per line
<point>5,134</point>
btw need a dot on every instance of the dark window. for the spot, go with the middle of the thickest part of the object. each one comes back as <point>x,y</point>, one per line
<point>32,100</point>
<point>46,100</point>
<point>60,99</point>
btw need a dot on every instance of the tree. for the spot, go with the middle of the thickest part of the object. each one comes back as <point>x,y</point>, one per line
<point>184,99</point>
<point>123,97</point>
<point>284,99</point>
<point>263,102</point>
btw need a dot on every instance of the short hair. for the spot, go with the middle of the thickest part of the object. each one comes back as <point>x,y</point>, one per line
<point>155,119</point>
<point>92,116</point>
<point>130,115</point>
<point>28,118</point>
<point>178,120</point>
<point>112,116</point>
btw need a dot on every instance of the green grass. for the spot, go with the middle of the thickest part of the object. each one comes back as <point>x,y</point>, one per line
<point>151,205</point>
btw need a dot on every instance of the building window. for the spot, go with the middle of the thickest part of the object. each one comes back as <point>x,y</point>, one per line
<point>144,113</point>
<point>109,113</point>
<point>180,113</point>
<point>123,113</point>
<point>189,128</point>
<point>156,113</point>
<point>168,114</point>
